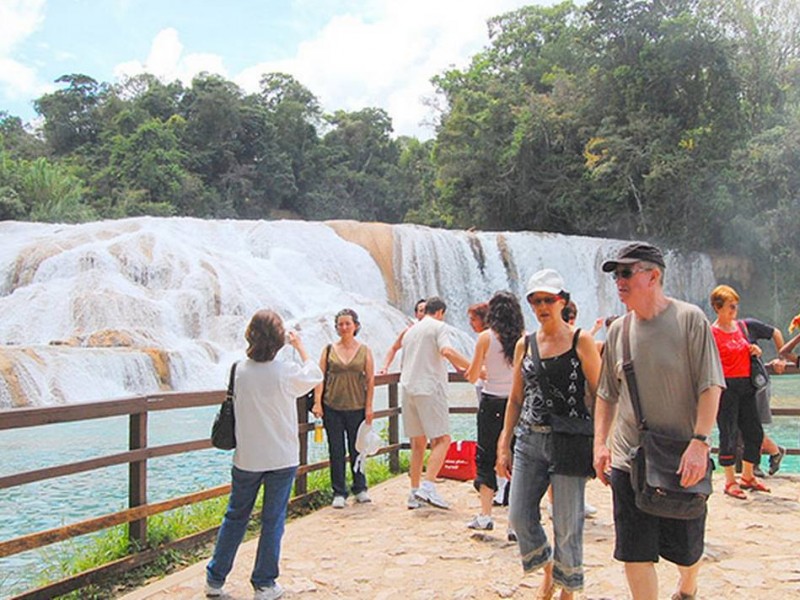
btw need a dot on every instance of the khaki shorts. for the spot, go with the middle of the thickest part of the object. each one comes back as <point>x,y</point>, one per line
<point>425,415</point>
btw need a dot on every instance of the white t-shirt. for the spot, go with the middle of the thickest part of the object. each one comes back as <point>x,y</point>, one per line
<point>423,371</point>
<point>265,406</point>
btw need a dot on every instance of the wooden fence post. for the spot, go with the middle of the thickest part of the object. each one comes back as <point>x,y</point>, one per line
<point>301,481</point>
<point>137,478</point>
<point>394,430</point>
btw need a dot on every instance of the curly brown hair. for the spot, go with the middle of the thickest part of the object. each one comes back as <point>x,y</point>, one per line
<point>265,335</point>
<point>506,320</point>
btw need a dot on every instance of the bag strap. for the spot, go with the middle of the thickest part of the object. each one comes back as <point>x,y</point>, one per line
<point>327,368</point>
<point>541,376</point>
<point>229,395</point>
<point>630,375</point>
<point>745,331</point>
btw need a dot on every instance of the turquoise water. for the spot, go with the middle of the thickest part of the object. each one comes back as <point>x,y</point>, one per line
<point>47,504</point>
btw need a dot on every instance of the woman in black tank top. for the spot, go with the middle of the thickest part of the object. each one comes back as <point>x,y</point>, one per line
<point>553,369</point>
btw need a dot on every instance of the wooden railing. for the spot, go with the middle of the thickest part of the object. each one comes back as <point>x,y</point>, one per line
<point>139,452</point>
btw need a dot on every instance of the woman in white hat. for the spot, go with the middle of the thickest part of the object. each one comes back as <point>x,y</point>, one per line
<point>344,401</point>
<point>546,411</point>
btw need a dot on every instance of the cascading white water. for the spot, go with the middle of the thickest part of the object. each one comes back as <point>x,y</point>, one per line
<point>465,268</point>
<point>118,308</point>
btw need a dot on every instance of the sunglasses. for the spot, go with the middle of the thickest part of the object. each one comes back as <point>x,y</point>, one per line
<point>627,273</point>
<point>543,300</point>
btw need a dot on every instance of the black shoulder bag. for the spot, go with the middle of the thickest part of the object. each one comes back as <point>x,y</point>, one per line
<point>223,431</point>
<point>758,372</point>
<point>655,461</point>
<point>571,438</point>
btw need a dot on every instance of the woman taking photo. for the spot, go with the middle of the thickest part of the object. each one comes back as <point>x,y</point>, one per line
<point>344,401</point>
<point>494,352</point>
<point>552,369</point>
<point>267,450</point>
<point>737,407</point>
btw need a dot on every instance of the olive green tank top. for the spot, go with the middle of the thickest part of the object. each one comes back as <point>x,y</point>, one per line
<point>346,385</point>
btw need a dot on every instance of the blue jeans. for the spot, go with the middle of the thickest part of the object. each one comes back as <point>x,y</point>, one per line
<point>244,490</point>
<point>341,424</point>
<point>529,480</point>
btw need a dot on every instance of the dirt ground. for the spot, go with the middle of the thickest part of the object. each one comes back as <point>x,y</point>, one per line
<point>383,550</point>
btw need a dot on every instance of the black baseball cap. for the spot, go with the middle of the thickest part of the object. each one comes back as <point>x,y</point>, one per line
<point>633,253</point>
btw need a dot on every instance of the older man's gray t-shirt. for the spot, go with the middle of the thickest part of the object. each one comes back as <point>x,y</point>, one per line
<point>675,359</point>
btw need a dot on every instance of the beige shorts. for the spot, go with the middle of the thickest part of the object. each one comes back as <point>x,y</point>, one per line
<point>425,415</point>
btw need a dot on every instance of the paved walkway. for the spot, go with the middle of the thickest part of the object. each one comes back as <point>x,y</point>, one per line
<point>384,551</point>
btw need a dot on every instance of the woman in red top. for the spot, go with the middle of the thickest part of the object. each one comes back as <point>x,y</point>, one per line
<point>737,407</point>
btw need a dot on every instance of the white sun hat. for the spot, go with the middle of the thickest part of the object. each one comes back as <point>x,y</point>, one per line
<point>367,443</point>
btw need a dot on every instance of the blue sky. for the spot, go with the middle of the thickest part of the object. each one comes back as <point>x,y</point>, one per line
<point>349,53</point>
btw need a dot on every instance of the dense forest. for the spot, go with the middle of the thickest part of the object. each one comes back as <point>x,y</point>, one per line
<point>676,121</point>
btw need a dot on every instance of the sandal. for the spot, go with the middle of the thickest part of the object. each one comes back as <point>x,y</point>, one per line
<point>546,594</point>
<point>733,490</point>
<point>753,484</point>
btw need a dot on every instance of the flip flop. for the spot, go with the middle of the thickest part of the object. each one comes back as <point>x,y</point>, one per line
<point>753,484</point>
<point>733,490</point>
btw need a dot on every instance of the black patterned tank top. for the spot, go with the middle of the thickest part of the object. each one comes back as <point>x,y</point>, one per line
<point>565,386</point>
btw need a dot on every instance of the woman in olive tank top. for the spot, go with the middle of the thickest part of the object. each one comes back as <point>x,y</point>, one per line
<point>345,402</point>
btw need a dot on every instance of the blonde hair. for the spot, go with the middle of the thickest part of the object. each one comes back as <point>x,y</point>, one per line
<point>722,294</point>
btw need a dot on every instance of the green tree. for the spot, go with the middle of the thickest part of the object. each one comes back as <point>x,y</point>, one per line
<point>52,194</point>
<point>70,113</point>
<point>359,159</point>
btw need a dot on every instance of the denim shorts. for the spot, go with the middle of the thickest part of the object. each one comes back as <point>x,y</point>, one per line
<point>643,538</point>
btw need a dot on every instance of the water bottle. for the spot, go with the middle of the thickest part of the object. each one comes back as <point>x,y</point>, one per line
<point>318,431</point>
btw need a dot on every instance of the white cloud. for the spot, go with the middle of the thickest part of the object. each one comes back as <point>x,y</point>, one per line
<point>386,54</point>
<point>167,61</point>
<point>18,20</point>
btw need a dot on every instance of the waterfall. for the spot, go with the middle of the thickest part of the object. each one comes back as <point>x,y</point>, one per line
<point>117,308</point>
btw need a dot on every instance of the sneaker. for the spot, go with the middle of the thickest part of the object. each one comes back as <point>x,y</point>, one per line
<point>363,497</point>
<point>775,460</point>
<point>431,496</point>
<point>412,501</point>
<point>338,502</point>
<point>213,591</point>
<point>501,495</point>
<point>481,522</point>
<point>270,593</point>
<point>589,510</point>
<point>511,534</point>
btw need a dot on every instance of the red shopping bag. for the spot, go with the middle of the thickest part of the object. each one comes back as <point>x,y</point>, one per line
<point>460,461</point>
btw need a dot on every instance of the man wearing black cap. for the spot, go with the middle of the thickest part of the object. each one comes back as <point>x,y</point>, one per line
<point>679,378</point>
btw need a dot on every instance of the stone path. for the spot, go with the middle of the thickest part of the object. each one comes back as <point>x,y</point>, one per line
<point>383,551</point>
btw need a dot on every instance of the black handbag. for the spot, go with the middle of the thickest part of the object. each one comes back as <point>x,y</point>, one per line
<point>758,372</point>
<point>223,431</point>
<point>655,461</point>
<point>571,438</point>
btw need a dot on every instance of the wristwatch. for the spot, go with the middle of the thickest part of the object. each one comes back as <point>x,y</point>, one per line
<point>701,438</point>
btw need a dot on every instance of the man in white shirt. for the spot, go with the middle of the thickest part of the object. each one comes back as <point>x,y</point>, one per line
<point>423,381</point>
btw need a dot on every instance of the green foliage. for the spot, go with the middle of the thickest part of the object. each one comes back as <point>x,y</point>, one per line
<point>671,120</point>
